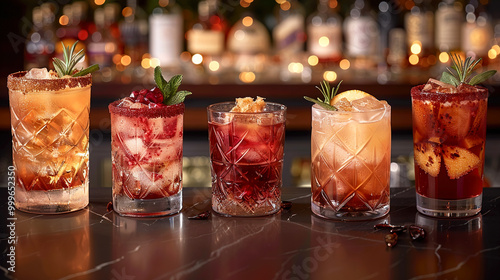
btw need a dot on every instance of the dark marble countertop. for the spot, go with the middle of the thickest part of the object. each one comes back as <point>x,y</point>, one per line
<point>293,244</point>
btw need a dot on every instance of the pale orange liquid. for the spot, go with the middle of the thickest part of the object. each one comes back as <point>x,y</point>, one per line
<point>350,160</point>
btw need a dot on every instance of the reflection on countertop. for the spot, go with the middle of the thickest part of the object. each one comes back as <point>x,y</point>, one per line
<point>293,244</point>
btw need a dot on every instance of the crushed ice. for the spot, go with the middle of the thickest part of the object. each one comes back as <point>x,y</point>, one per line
<point>38,73</point>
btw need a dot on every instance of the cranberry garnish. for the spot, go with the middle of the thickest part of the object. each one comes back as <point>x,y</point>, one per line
<point>143,92</point>
<point>134,94</point>
<point>109,207</point>
<point>142,99</point>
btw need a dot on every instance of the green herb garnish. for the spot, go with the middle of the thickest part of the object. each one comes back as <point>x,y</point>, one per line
<point>463,72</point>
<point>169,89</point>
<point>328,93</point>
<point>67,67</point>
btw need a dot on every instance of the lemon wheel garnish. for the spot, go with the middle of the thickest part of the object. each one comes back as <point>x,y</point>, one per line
<point>350,95</point>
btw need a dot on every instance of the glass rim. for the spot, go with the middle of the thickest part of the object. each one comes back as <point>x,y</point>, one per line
<point>18,82</point>
<point>167,111</point>
<point>210,108</point>
<point>417,92</point>
<point>323,110</point>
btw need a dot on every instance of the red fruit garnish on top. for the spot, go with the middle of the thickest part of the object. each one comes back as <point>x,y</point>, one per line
<point>142,99</point>
<point>148,96</point>
<point>134,94</point>
<point>158,96</point>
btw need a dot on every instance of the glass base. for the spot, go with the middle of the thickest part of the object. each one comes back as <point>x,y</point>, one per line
<point>449,208</point>
<point>53,201</point>
<point>328,213</point>
<point>125,206</point>
<point>234,209</point>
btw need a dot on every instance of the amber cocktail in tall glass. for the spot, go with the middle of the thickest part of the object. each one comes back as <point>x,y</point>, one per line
<point>50,140</point>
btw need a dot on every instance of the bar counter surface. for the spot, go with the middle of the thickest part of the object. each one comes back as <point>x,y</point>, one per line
<point>294,244</point>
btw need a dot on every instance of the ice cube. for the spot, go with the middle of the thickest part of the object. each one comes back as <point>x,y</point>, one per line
<point>434,86</point>
<point>134,145</point>
<point>126,102</point>
<point>137,105</point>
<point>38,73</point>
<point>367,103</point>
<point>343,105</point>
<point>467,88</point>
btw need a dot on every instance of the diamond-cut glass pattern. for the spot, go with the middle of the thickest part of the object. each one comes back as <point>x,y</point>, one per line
<point>50,143</point>
<point>147,156</point>
<point>246,165</point>
<point>350,163</point>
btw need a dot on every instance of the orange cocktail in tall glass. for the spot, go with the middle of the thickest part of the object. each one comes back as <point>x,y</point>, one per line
<point>50,135</point>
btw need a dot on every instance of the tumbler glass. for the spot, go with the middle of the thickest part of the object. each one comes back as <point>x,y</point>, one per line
<point>246,154</point>
<point>146,152</point>
<point>50,142</point>
<point>449,133</point>
<point>351,157</point>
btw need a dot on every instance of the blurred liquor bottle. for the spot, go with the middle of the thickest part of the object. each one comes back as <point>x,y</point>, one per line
<point>392,51</point>
<point>248,36</point>
<point>111,15</point>
<point>73,27</point>
<point>207,36</point>
<point>477,31</point>
<point>248,40</point>
<point>449,21</point>
<point>40,44</point>
<point>324,30</point>
<point>102,45</point>
<point>134,34</point>
<point>419,25</point>
<point>166,33</point>
<point>362,36</point>
<point>289,33</point>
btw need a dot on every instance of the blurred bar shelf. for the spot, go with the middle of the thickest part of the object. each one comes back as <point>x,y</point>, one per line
<point>291,95</point>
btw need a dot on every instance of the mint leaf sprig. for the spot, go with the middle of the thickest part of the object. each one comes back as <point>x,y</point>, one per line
<point>463,72</point>
<point>328,94</point>
<point>67,67</point>
<point>169,89</point>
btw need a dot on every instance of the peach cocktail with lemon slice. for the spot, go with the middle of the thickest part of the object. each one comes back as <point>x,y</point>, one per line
<point>449,134</point>
<point>350,155</point>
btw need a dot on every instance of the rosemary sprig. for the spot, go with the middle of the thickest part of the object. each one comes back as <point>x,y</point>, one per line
<point>67,67</point>
<point>463,72</point>
<point>328,94</point>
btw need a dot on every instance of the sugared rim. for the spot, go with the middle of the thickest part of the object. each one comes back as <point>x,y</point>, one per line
<point>417,93</point>
<point>279,108</point>
<point>18,82</point>
<point>321,109</point>
<point>158,112</point>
